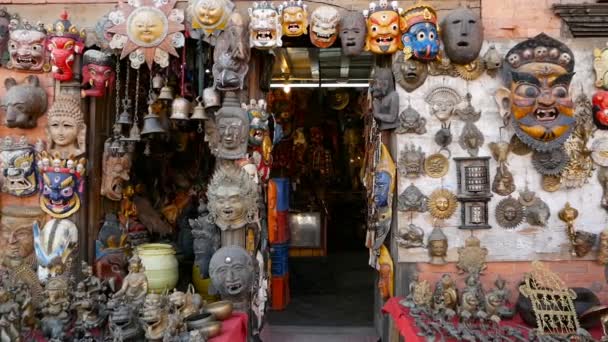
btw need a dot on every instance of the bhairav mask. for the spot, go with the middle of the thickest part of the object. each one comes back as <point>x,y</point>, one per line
<point>66,131</point>
<point>62,184</point>
<point>538,101</point>
<point>409,73</point>
<point>295,18</point>
<point>600,65</point>
<point>26,45</point>
<point>462,35</point>
<point>209,17</point>
<point>231,270</point>
<point>383,27</point>
<point>24,103</point>
<point>232,124</point>
<point>55,245</point>
<point>232,198</point>
<point>231,56</point>
<point>386,100</point>
<point>98,73</point>
<point>264,26</point>
<point>420,35</point>
<point>324,26</point>
<point>352,33</point>
<point>64,43</point>
<point>16,232</point>
<point>17,166</point>
<point>115,170</point>
<point>600,109</point>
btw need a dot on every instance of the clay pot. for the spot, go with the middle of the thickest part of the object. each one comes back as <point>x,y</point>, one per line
<point>197,321</point>
<point>220,310</point>
<point>160,265</point>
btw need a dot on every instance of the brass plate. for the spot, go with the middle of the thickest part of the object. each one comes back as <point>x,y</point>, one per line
<point>436,165</point>
<point>551,183</point>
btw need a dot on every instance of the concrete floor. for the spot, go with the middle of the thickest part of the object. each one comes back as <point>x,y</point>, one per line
<point>290,333</point>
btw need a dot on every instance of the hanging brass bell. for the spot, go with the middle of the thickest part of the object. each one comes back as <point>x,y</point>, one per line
<point>180,108</point>
<point>166,93</point>
<point>211,98</point>
<point>124,118</point>
<point>133,134</point>
<point>158,81</point>
<point>152,123</point>
<point>115,147</point>
<point>199,111</point>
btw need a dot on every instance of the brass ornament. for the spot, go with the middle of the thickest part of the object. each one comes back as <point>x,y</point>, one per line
<point>412,199</point>
<point>411,162</point>
<point>509,213</point>
<point>568,214</point>
<point>518,147</point>
<point>442,66</point>
<point>422,295</point>
<point>583,243</point>
<point>552,301</point>
<point>470,71</point>
<point>443,137</point>
<point>442,204</point>
<point>503,183</point>
<point>580,167</point>
<point>410,237</point>
<point>550,163</point>
<point>551,183</point>
<point>443,100</point>
<point>602,253</point>
<point>436,165</point>
<point>472,257</point>
<point>410,121</point>
<point>437,246</point>
<point>445,295</point>
<point>536,211</point>
<point>468,113</point>
<point>471,139</point>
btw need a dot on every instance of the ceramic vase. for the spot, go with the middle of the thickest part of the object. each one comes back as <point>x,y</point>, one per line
<point>160,265</point>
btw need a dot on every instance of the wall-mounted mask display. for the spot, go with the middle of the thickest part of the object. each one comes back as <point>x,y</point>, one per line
<point>66,131</point>
<point>410,121</point>
<point>412,199</point>
<point>383,27</point>
<point>471,139</point>
<point>420,34</point>
<point>550,163</point>
<point>55,245</point>
<point>208,18</point>
<point>324,26</point>
<point>411,236</point>
<point>17,165</point>
<point>98,73</point>
<point>352,33</point>
<point>462,35</point>
<point>147,33</point>
<point>231,56</point>
<point>264,26</point>
<point>64,42</point>
<point>538,101</point>
<point>472,257</point>
<point>385,104</point>
<point>411,162</point>
<point>409,73</point>
<point>62,184</point>
<point>115,170</point>
<point>295,18</point>
<point>437,246</point>
<point>16,234</point>
<point>600,65</point>
<point>442,204</point>
<point>24,102</point>
<point>509,213</point>
<point>443,100</point>
<point>232,124</point>
<point>232,273</point>
<point>26,45</point>
<point>600,109</point>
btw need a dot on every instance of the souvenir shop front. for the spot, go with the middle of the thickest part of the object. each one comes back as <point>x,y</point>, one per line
<point>208,170</point>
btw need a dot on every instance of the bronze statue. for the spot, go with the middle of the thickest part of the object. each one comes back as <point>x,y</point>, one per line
<point>10,317</point>
<point>497,300</point>
<point>135,285</point>
<point>445,295</point>
<point>438,246</point>
<point>55,309</point>
<point>386,100</point>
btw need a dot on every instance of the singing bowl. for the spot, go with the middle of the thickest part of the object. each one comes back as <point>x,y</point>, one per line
<point>211,329</point>
<point>220,310</point>
<point>197,321</point>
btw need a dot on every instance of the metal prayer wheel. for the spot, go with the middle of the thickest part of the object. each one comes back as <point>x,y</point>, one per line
<point>199,111</point>
<point>180,109</point>
<point>166,93</point>
<point>152,123</point>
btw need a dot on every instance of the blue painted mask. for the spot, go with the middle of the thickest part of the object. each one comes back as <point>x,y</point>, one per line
<point>421,42</point>
<point>382,186</point>
<point>62,184</point>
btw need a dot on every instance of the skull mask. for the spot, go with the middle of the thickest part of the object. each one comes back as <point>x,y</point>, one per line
<point>324,26</point>
<point>264,26</point>
<point>462,35</point>
<point>26,45</point>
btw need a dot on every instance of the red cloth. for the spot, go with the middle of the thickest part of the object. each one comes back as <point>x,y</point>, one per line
<point>234,329</point>
<point>408,329</point>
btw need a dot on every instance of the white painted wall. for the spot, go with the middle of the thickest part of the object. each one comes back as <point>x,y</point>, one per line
<point>524,242</point>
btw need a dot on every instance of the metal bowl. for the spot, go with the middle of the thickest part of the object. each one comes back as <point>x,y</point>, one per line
<point>195,322</point>
<point>220,310</point>
<point>211,329</point>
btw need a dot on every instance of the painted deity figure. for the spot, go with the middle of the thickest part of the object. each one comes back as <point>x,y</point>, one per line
<point>462,35</point>
<point>24,102</point>
<point>66,131</point>
<point>208,18</point>
<point>386,100</point>
<point>231,55</point>
<point>55,245</point>
<point>232,204</point>
<point>352,33</point>
<point>264,26</point>
<point>260,143</point>
<point>294,19</point>
<point>232,273</point>
<point>62,184</point>
<point>26,46</point>
<point>538,102</point>
<point>383,27</point>
<point>324,26</point>
<point>97,73</point>
<point>420,34</point>
<point>64,43</point>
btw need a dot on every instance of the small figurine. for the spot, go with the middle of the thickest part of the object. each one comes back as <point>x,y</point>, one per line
<point>10,316</point>
<point>135,285</point>
<point>186,304</point>
<point>386,100</point>
<point>445,295</point>
<point>497,300</point>
<point>583,243</point>
<point>55,309</point>
<point>438,246</point>
<point>568,214</point>
<point>472,297</point>
<point>602,255</point>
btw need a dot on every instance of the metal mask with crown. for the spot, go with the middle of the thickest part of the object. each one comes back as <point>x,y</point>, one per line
<point>420,33</point>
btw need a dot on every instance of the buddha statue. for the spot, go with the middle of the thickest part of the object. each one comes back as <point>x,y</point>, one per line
<point>438,246</point>
<point>66,131</point>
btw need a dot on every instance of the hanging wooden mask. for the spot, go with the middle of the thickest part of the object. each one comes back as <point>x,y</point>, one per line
<point>147,32</point>
<point>352,33</point>
<point>264,26</point>
<point>24,103</point>
<point>97,73</point>
<point>324,26</point>
<point>17,167</point>
<point>26,45</point>
<point>420,34</point>
<point>462,35</point>
<point>208,18</point>
<point>64,42</point>
<point>294,18</point>
<point>537,101</point>
<point>409,73</point>
<point>232,125</point>
<point>62,184</point>
<point>383,28</point>
<point>600,65</point>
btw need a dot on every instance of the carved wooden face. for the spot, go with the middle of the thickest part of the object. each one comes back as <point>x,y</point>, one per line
<point>462,35</point>
<point>383,33</point>
<point>295,20</point>
<point>324,26</point>
<point>409,74</point>
<point>18,171</point>
<point>232,132</point>
<point>115,171</point>
<point>352,33</point>
<point>24,102</point>
<point>16,235</point>
<point>26,49</point>
<point>264,27</point>
<point>60,197</point>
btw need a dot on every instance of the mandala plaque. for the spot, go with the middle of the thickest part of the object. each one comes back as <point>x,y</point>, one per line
<point>436,165</point>
<point>509,213</point>
<point>472,257</point>
<point>442,204</point>
<point>550,163</point>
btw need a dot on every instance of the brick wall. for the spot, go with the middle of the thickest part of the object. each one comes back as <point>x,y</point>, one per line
<point>519,18</point>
